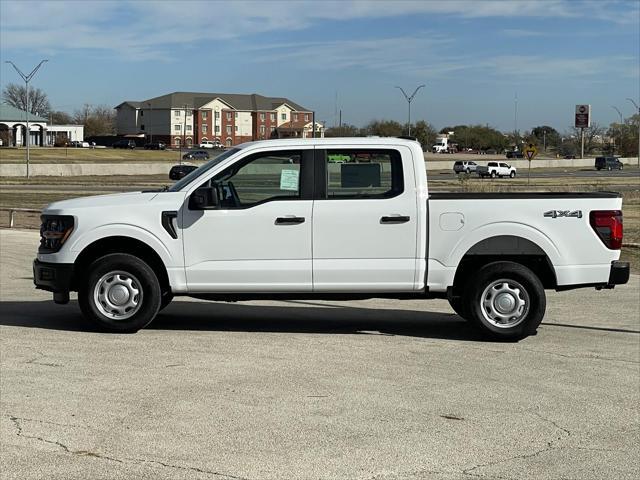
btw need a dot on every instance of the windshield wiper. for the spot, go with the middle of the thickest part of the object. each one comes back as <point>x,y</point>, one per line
<point>165,188</point>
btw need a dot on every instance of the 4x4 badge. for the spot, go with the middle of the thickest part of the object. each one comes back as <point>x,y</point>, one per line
<point>563,213</point>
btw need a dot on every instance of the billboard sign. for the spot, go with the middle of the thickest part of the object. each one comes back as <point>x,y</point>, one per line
<point>583,116</point>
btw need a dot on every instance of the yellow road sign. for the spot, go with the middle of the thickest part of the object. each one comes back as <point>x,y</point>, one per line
<point>531,151</point>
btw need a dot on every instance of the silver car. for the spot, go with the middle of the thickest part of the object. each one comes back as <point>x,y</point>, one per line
<point>464,167</point>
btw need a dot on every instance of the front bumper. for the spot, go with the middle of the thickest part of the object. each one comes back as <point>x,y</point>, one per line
<point>53,277</point>
<point>619,273</point>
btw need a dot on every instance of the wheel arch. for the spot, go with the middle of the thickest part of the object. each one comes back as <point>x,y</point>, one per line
<point>512,248</point>
<point>121,244</point>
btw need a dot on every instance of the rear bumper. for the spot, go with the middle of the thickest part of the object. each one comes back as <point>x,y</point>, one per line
<point>619,273</point>
<point>52,277</point>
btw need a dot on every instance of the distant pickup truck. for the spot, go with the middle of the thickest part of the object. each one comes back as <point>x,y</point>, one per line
<point>496,169</point>
<point>277,220</point>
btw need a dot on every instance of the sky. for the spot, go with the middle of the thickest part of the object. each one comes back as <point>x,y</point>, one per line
<point>474,57</point>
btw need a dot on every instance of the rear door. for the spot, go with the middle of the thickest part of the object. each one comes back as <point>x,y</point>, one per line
<point>364,220</point>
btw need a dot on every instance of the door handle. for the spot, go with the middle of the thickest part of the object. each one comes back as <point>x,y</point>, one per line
<point>395,219</point>
<point>289,220</point>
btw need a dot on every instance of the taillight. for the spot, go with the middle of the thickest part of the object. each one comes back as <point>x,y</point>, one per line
<point>608,226</point>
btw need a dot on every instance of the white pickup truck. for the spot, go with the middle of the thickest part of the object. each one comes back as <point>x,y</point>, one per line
<point>277,220</point>
<point>496,169</point>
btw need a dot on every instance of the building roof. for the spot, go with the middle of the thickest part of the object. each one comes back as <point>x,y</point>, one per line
<point>238,101</point>
<point>13,114</point>
<point>131,103</point>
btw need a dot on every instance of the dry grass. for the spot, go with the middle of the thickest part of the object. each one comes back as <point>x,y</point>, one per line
<point>86,155</point>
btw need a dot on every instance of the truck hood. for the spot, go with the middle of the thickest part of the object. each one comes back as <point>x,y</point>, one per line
<point>118,200</point>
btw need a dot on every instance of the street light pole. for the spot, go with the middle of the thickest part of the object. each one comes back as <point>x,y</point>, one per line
<point>619,129</point>
<point>27,79</point>
<point>409,99</point>
<point>637,108</point>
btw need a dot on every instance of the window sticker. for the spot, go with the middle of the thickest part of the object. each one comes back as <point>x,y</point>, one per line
<point>289,180</point>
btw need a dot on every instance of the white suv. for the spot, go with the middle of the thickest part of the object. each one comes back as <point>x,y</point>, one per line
<point>210,144</point>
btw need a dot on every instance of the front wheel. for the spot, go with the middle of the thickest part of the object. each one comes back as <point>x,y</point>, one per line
<point>506,300</point>
<point>120,293</point>
<point>512,174</point>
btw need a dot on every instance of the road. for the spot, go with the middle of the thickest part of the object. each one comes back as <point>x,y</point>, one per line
<point>556,173</point>
<point>375,389</point>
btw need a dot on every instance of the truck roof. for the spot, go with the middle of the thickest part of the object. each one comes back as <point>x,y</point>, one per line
<point>289,142</point>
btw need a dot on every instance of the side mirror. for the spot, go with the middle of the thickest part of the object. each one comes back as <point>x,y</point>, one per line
<point>204,198</point>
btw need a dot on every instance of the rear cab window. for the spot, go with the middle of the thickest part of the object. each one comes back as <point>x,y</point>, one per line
<point>363,173</point>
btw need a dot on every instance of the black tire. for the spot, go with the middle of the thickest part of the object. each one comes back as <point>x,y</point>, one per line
<point>468,171</point>
<point>620,167</point>
<point>166,300</point>
<point>609,168</point>
<point>512,174</point>
<point>459,306</point>
<point>118,267</point>
<point>493,174</point>
<point>515,283</point>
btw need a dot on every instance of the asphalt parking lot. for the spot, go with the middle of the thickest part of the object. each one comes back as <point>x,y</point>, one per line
<point>373,389</point>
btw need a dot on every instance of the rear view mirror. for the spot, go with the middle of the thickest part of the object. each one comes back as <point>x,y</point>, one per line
<point>204,198</point>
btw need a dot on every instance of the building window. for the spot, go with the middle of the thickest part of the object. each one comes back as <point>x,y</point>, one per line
<point>228,116</point>
<point>295,117</point>
<point>142,127</point>
<point>204,128</point>
<point>283,116</point>
<point>188,128</point>
<point>217,114</point>
<point>228,129</point>
<point>306,117</point>
<point>204,115</point>
<point>188,113</point>
<point>262,130</point>
<point>262,117</point>
<point>272,117</point>
<point>236,114</point>
<point>177,128</point>
<point>142,113</point>
<point>236,128</point>
<point>176,113</point>
<point>177,141</point>
<point>217,128</point>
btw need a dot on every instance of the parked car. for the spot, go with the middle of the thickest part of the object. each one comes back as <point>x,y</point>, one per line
<point>231,232</point>
<point>496,169</point>
<point>179,171</point>
<point>608,163</point>
<point>124,144</point>
<point>569,157</point>
<point>155,146</point>
<point>515,154</point>
<point>196,155</point>
<point>210,144</point>
<point>79,144</point>
<point>464,167</point>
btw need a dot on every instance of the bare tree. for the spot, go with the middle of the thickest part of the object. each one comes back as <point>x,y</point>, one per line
<point>97,119</point>
<point>16,96</point>
<point>593,138</point>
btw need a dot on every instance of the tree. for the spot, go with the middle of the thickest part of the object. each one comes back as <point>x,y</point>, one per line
<point>593,138</point>
<point>60,118</point>
<point>479,137</point>
<point>342,131</point>
<point>97,120</point>
<point>384,128</point>
<point>16,96</point>
<point>545,134</point>
<point>425,133</point>
<point>625,136</point>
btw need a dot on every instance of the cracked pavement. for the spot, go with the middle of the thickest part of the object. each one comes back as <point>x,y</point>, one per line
<point>376,389</point>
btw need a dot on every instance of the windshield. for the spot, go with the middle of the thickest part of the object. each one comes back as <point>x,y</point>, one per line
<point>202,170</point>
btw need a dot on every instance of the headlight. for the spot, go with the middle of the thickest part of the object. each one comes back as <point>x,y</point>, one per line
<point>54,231</point>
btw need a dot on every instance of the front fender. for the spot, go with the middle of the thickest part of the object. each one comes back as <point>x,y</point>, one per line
<point>125,230</point>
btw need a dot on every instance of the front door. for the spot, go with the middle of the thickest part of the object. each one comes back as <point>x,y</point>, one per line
<point>258,238</point>
<point>364,221</point>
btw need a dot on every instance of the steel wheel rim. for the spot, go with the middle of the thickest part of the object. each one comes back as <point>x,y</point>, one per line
<point>504,303</point>
<point>118,295</point>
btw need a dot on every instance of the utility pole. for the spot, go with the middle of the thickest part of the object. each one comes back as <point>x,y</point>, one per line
<point>619,129</point>
<point>409,100</point>
<point>638,109</point>
<point>27,79</point>
<point>544,139</point>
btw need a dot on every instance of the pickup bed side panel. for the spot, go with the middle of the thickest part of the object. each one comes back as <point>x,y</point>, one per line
<point>575,251</point>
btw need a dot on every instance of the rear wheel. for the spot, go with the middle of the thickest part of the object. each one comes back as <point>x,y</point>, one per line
<point>468,171</point>
<point>609,168</point>
<point>505,300</point>
<point>120,293</point>
<point>493,174</point>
